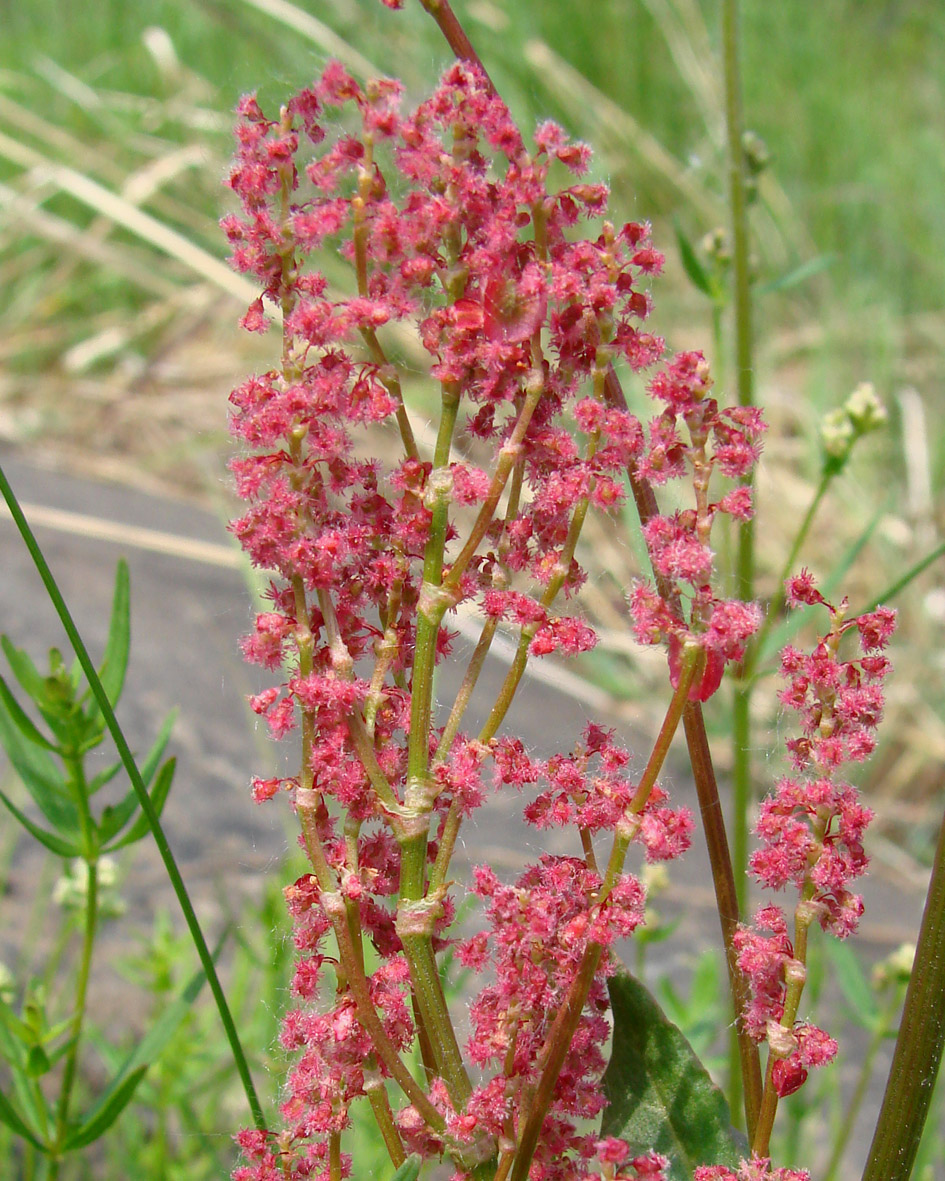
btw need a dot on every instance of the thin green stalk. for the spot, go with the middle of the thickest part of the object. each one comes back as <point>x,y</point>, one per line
<point>918,1052</point>
<point>384,1118</point>
<point>744,380</point>
<point>144,800</point>
<point>880,1033</point>
<point>78,1021</point>
<point>756,650</point>
<point>738,200</point>
<point>413,832</point>
<point>350,959</point>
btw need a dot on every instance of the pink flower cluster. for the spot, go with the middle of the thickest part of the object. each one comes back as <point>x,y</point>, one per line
<point>756,1169</point>
<point>812,827</point>
<point>452,230</point>
<point>723,439</point>
<point>438,230</point>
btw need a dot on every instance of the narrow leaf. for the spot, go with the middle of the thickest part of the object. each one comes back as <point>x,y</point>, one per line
<point>98,781</point>
<point>14,1035</point>
<point>660,1096</point>
<point>153,758</point>
<point>115,664</point>
<point>853,983</point>
<point>692,265</point>
<point>158,796</point>
<point>40,777</point>
<point>799,275</point>
<point>115,817</point>
<point>12,1118</point>
<point>30,678</point>
<point>37,1062</point>
<point>105,1114</point>
<point>22,720</point>
<point>410,1169</point>
<point>57,845</point>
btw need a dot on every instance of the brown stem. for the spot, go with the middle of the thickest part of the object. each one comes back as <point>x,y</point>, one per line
<point>713,825</point>
<point>455,35</point>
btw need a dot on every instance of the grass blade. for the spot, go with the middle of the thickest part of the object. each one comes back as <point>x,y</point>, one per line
<point>154,823</point>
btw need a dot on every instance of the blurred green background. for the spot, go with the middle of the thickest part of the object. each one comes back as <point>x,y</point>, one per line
<point>118,338</point>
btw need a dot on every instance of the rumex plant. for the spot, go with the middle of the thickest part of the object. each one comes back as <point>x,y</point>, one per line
<point>491,256</point>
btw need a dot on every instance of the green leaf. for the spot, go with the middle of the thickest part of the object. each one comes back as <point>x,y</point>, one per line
<point>98,781</point>
<point>20,1034</point>
<point>119,1091</point>
<point>30,678</point>
<point>105,1113</point>
<point>799,275</point>
<point>22,720</point>
<point>410,1169</point>
<point>115,817</point>
<point>692,266</point>
<point>903,581</point>
<point>37,1062</point>
<point>156,753</point>
<point>660,1096</point>
<point>158,796</point>
<point>115,664</point>
<point>40,777</point>
<point>56,844</point>
<point>863,1007</point>
<point>15,1039</point>
<point>12,1118</point>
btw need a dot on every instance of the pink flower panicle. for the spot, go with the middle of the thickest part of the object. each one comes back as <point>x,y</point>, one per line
<point>811,829</point>
<point>453,231</point>
<point>440,212</point>
<point>711,438</point>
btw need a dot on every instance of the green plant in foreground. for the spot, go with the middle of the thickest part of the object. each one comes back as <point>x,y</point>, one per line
<point>42,1052</point>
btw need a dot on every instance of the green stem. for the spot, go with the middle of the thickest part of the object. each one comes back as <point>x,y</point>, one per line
<point>739,206</point>
<point>918,1052</point>
<point>415,913</point>
<point>384,1118</point>
<point>78,1021</point>
<point>307,805</point>
<point>744,375</point>
<point>883,1027</point>
<point>144,800</point>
